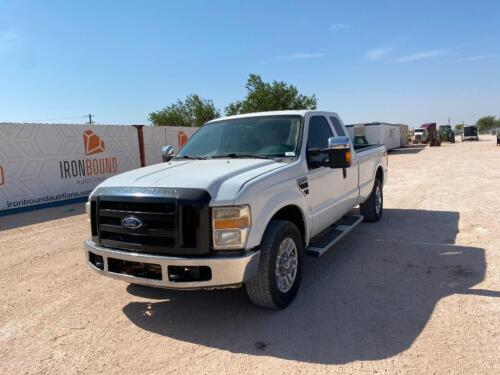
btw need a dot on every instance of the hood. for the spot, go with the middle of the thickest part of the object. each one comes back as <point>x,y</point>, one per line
<point>222,178</point>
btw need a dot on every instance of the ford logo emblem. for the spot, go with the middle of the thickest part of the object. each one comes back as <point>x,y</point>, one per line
<point>132,222</point>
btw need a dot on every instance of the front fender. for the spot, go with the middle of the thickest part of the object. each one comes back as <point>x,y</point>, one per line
<point>267,205</point>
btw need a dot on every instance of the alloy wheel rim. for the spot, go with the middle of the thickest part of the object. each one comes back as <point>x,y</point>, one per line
<point>378,200</point>
<point>286,265</point>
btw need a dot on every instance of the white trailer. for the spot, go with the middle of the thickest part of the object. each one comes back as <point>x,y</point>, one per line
<point>403,133</point>
<point>391,135</point>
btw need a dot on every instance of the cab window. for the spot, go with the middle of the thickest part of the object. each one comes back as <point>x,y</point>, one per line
<point>337,126</point>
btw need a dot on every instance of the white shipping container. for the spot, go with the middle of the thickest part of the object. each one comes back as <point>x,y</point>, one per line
<point>391,135</point>
<point>403,131</point>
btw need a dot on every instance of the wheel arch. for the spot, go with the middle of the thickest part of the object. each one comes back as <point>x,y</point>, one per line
<point>293,214</point>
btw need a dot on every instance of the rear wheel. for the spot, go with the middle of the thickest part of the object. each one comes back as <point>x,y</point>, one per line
<point>373,207</point>
<point>280,266</point>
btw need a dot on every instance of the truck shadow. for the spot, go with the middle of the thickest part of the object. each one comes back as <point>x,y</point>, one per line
<point>367,299</point>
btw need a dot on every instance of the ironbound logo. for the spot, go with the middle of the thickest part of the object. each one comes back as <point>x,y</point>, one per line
<point>132,222</point>
<point>2,177</point>
<point>92,144</point>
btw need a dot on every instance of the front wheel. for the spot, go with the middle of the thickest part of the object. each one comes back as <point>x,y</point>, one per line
<point>373,207</point>
<point>280,266</point>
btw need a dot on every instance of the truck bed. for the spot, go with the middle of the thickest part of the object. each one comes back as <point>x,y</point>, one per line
<point>361,148</point>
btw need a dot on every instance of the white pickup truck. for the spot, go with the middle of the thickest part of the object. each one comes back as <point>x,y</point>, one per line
<point>240,204</point>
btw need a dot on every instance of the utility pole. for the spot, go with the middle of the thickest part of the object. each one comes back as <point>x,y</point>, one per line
<point>449,121</point>
<point>90,119</point>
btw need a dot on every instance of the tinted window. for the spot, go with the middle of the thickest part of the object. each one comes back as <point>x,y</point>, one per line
<point>266,136</point>
<point>319,132</point>
<point>337,126</point>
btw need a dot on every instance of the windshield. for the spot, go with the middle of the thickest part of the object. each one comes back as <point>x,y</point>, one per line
<point>419,130</point>
<point>261,137</point>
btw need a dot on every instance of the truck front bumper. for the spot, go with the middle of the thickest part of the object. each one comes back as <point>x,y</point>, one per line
<point>172,272</point>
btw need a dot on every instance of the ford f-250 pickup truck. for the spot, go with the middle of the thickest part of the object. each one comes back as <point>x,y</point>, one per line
<point>241,204</point>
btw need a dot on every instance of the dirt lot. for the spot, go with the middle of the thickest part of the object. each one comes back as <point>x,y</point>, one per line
<point>418,292</point>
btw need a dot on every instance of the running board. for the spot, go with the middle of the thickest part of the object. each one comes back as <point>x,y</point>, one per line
<point>329,237</point>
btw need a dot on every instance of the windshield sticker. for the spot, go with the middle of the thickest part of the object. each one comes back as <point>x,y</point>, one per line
<point>289,153</point>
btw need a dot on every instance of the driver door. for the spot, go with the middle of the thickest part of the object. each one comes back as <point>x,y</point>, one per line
<point>324,193</point>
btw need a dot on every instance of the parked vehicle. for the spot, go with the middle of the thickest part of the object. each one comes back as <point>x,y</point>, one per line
<point>470,133</point>
<point>498,138</point>
<point>432,135</point>
<point>420,136</point>
<point>446,134</point>
<point>240,204</point>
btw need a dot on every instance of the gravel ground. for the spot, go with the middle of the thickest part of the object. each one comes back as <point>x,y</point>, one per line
<point>418,292</point>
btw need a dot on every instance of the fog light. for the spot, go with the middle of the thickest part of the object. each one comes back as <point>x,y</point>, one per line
<point>96,260</point>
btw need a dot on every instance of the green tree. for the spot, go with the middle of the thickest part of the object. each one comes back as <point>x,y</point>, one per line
<point>194,111</point>
<point>486,123</point>
<point>459,127</point>
<point>275,96</point>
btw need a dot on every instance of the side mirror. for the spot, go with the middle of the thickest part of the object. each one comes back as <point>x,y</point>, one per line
<point>339,151</point>
<point>167,152</point>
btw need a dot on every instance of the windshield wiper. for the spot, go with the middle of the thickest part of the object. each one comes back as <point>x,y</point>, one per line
<point>190,157</point>
<point>235,155</point>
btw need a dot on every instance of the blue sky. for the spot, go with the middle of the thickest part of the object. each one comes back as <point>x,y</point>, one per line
<point>396,61</point>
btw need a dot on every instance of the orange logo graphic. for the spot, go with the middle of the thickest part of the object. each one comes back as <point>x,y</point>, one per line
<point>2,178</point>
<point>92,143</point>
<point>182,138</point>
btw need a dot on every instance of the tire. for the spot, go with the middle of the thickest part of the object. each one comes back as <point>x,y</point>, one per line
<point>263,290</point>
<point>370,210</point>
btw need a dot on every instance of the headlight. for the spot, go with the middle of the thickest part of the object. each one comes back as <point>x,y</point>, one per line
<point>230,227</point>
